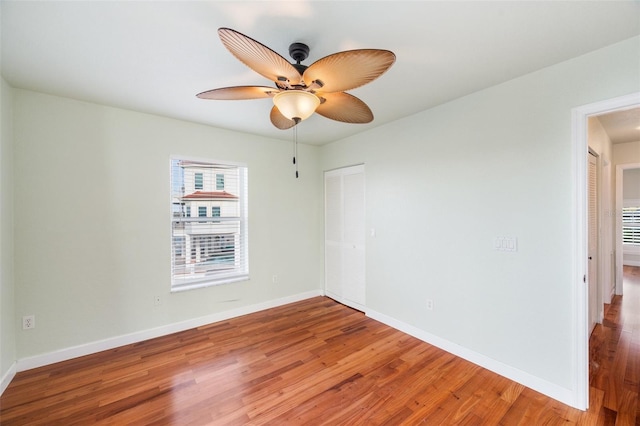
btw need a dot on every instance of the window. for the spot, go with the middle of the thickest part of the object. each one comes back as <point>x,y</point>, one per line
<point>631,225</point>
<point>220,182</point>
<point>205,251</point>
<point>198,181</point>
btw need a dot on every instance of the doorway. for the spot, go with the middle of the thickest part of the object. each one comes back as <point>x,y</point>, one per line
<point>580,251</point>
<point>344,202</point>
<point>621,201</point>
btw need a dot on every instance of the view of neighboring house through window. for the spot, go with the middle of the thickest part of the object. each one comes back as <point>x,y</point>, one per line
<point>211,248</point>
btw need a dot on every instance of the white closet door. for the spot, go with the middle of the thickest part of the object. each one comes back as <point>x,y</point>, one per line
<point>345,236</point>
<point>333,234</point>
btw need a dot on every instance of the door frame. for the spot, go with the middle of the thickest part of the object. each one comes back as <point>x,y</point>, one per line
<point>579,148</point>
<point>344,171</point>
<point>595,297</point>
<point>620,168</point>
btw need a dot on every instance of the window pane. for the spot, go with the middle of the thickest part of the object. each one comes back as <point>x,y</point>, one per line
<point>631,226</point>
<point>207,251</point>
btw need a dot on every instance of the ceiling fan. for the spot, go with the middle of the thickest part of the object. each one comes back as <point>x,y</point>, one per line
<point>301,90</point>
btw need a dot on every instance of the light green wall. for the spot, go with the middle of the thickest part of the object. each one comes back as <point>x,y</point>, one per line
<point>7,309</point>
<point>443,183</point>
<point>92,220</point>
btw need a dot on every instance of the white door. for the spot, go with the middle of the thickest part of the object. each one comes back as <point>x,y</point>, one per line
<point>345,236</point>
<point>593,241</point>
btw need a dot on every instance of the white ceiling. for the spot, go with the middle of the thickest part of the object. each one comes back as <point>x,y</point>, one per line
<point>155,57</point>
<point>622,126</point>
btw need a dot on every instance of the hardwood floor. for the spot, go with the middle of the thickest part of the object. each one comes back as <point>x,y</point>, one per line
<point>615,356</point>
<point>317,362</point>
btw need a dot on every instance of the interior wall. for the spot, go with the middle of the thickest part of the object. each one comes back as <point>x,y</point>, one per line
<point>7,309</point>
<point>92,223</point>
<point>631,184</point>
<point>443,184</point>
<point>600,143</point>
<point>630,196</point>
<point>625,154</point>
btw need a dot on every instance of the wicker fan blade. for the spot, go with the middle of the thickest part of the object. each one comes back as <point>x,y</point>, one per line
<point>239,93</point>
<point>259,57</point>
<point>349,69</point>
<point>279,120</point>
<point>344,107</point>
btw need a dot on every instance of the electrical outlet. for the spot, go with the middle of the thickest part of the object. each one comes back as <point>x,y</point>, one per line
<point>274,279</point>
<point>157,301</point>
<point>28,322</point>
<point>429,304</point>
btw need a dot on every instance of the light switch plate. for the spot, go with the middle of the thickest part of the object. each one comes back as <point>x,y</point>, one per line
<point>505,243</point>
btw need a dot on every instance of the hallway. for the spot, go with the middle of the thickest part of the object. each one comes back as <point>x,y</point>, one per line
<point>614,354</point>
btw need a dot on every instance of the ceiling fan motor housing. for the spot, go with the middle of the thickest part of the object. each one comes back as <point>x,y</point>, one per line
<point>299,51</point>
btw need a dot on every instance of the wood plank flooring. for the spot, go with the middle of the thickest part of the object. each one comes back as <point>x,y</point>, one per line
<point>615,356</point>
<point>317,362</point>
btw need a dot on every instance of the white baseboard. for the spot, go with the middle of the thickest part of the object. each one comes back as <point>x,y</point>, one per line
<point>139,336</point>
<point>6,379</point>
<point>566,396</point>
<point>628,262</point>
<point>552,390</point>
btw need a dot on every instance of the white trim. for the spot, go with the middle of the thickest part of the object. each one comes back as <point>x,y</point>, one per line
<point>631,262</point>
<point>7,378</point>
<point>341,172</point>
<point>350,303</point>
<point>139,336</point>
<point>631,249</point>
<point>552,390</point>
<point>579,143</point>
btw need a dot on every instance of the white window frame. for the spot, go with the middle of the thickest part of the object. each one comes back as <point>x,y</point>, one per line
<point>190,270</point>
<point>634,247</point>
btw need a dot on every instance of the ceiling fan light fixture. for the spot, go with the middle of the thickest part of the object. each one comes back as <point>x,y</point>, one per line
<point>296,104</point>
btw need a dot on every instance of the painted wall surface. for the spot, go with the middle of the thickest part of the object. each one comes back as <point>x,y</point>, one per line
<point>631,184</point>
<point>7,310</point>
<point>626,153</point>
<point>92,222</point>
<point>600,143</point>
<point>442,184</point>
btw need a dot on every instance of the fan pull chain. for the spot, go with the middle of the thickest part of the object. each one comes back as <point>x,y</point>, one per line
<point>295,144</point>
